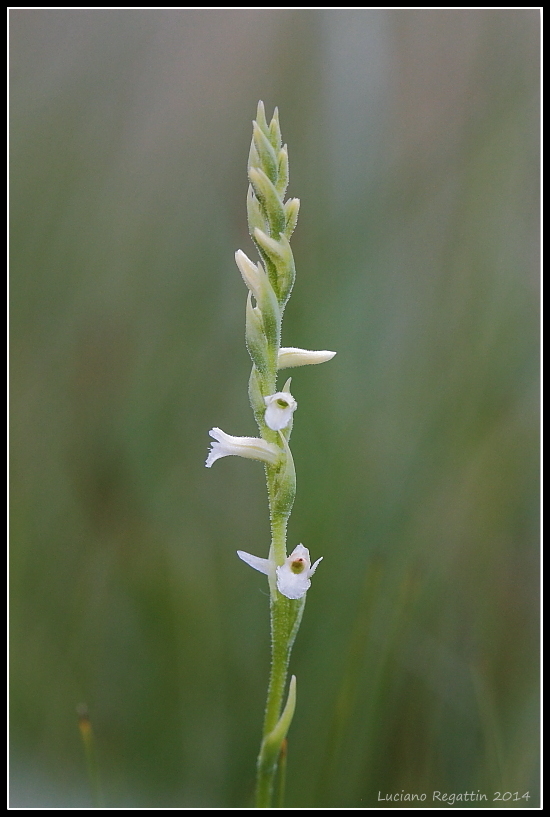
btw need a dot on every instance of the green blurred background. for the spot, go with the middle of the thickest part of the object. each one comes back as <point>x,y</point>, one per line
<point>413,139</point>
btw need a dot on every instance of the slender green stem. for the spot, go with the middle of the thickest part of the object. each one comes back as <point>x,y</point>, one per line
<point>280,655</point>
<point>286,615</point>
<point>278,531</point>
<point>281,779</point>
<point>281,782</point>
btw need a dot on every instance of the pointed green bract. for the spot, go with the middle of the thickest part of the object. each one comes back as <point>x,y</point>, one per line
<point>292,208</point>
<point>260,117</point>
<point>282,172</point>
<point>271,744</point>
<point>275,130</point>
<point>256,216</point>
<point>265,157</point>
<point>267,195</point>
<point>256,341</point>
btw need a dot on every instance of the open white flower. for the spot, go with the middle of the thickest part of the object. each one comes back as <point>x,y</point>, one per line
<point>293,577</point>
<point>253,448</point>
<point>279,408</point>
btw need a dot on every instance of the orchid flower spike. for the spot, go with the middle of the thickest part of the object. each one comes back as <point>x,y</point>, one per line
<point>253,448</point>
<point>279,408</point>
<point>293,577</point>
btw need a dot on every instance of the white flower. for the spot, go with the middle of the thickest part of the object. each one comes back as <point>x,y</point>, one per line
<point>293,577</point>
<point>280,408</point>
<point>291,356</point>
<point>251,447</point>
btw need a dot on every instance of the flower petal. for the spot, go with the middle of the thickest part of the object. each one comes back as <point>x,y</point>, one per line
<point>279,409</point>
<point>291,585</point>
<point>313,567</point>
<point>293,577</point>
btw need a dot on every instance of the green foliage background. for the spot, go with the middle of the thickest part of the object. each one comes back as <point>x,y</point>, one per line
<point>413,139</point>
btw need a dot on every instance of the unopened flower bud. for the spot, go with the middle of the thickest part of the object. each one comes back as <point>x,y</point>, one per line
<point>290,356</point>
